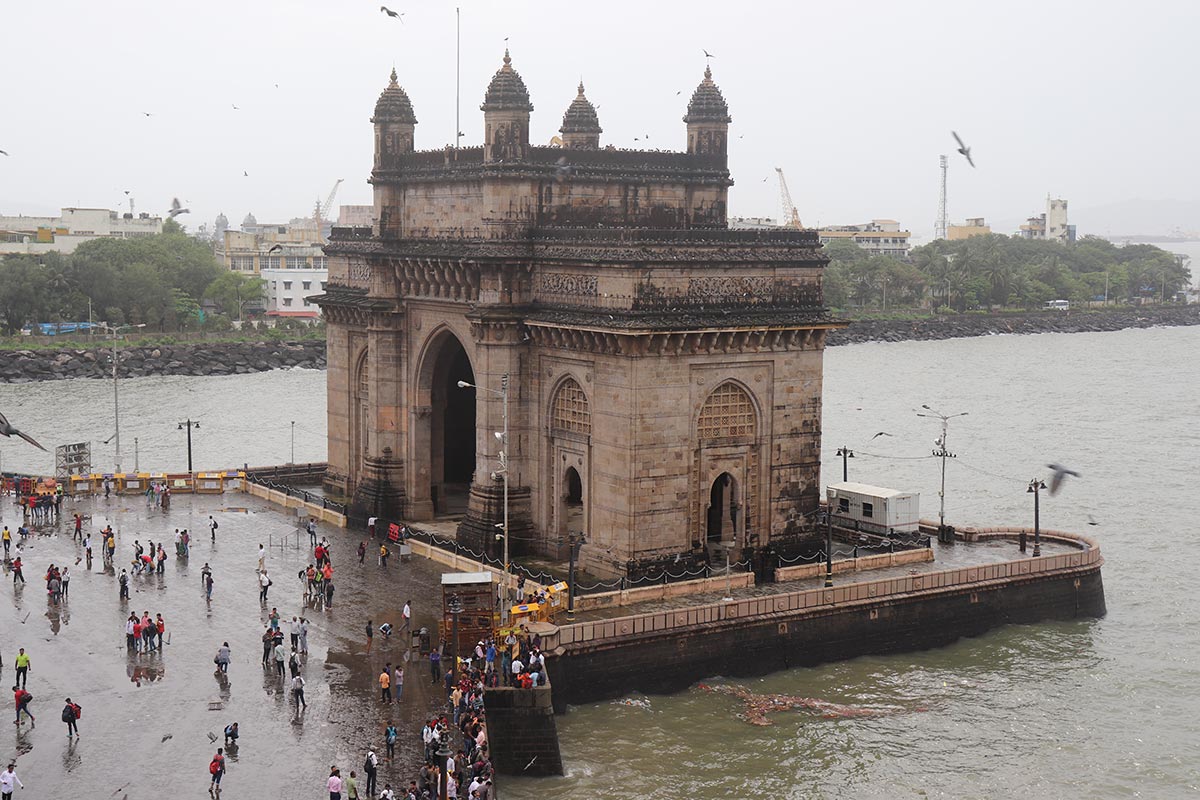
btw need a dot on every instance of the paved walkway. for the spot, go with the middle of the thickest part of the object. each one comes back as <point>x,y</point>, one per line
<point>147,717</point>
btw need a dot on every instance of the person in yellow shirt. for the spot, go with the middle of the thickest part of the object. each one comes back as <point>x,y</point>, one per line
<point>7,536</point>
<point>22,668</point>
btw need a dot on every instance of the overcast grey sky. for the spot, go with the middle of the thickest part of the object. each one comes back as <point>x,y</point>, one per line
<point>1091,101</point>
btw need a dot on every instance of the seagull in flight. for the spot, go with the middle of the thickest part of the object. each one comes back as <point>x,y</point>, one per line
<point>7,430</point>
<point>881,433</point>
<point>274,248</point>
<point>235,108</point>
<point>3,152</point>
<point>392,14</point>
<point>245,174</point>
<point>707,54</point>
<point>147,114</point>
<point>177,209</point>
<point>1060,475</point>
<point>962,148</point>
<point>1092,520</point>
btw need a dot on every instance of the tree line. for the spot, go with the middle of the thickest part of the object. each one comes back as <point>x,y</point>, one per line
<point>996,271</point>
<point>157,281</point>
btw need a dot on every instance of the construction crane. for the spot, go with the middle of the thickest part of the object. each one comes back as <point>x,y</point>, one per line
<point>791,217</point>
<point>321,212</point>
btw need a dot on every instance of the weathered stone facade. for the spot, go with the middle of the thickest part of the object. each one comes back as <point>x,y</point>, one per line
<point>664,372</point>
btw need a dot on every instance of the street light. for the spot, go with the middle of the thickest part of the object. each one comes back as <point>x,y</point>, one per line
<point>1035,487</point>
<point>454,607</point>
<point>502,436</point>
<point>943,453</point>
<point>115,332</point>
<point>293,461</point>
<point>829,544</point>
<point>845,453</point>
<point>574,542</point>
<point>189,424</point>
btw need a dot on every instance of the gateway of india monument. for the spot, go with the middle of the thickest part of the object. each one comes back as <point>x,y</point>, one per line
<point>661,373</point>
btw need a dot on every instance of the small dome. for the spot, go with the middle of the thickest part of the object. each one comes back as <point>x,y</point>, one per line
<point>507,91</point>
<point>707,104</point>
<point>249,222</point>
<point>393,105</point>
<point>581,116</point>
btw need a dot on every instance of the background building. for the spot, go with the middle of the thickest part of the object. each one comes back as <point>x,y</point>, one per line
<point>71,228</point>
<point>974,226</point>
<point>288,292</point>
<point>879,237</point>
<point>1051,225</point>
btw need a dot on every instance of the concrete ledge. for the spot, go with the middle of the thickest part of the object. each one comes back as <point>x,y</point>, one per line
<point>738,580</point>
<point>287,501</point>
<point>801,571</point>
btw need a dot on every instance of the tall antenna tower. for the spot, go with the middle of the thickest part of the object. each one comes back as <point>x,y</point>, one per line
<point>939,227</point>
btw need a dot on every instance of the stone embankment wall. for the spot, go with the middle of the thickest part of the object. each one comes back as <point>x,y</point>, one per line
<point>217,358</point>
<point>965,325</point>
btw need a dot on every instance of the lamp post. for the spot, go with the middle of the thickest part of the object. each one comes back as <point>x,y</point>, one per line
<point>189,424</point>
<point>502,436</point>
<point>115,333</point>
<point>829,545</point>
<point>293,461</point>
<point>845,453</point>
<point>443,754</point>
<point>942,453</point>
<point>1035,487</point>
<point>454,607</point>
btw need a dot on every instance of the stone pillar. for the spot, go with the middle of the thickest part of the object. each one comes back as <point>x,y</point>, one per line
<point>380,492</point>
<point>500,349</point>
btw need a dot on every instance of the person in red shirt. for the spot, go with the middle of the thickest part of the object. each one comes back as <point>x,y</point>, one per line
<point>21,698</point>
<point>16,570</point>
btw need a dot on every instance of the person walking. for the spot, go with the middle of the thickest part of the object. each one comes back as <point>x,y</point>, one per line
<point>398,682</point>
<point>78,528</point>
<point>385,684</point>
<point>264,582</point>
<point>7,537</point>
<point>371,768</point>
<point>312,531</point>
<point>212,527</point>
<point>16,571</point>
<point>293,663</point>
<point>298,692</point>
<point>208,586</point>
<point>65,581</point>
<point>222,658</point>
<point>70,714</point>
<point>216,768</point>
<point>407,615</point>
<point>21,699</point>
<point>22,664</point>
<point>334,784</point>
<point>389,739</point>
<point>383,555</point>
<point>294,631</point>
<point>123,581</point>
<point>351,786</point>
<point>9,782</point>
<point>303,636</point>
<point>435,664</point>
<point>362,551</point>
<point>160,627</point>
<point>262,558</point>
<point>370,636</point>
<point>205,571</point>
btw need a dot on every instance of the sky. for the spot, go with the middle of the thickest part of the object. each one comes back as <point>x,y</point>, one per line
<point>855,100</point>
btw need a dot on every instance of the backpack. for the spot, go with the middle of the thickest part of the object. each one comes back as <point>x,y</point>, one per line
<point>68,714</point>
<point>215,525</point>
<point>367,764</point>
<point>214,767</point>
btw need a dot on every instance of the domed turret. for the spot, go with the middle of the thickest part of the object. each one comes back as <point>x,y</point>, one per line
<point>249,224</point>
<point>707,119</point>
<point>581,127</point>
<point>506,110</point>
<point>394,122</point>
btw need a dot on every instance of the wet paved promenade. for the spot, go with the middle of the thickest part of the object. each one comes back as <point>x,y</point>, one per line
<point>146,718</point>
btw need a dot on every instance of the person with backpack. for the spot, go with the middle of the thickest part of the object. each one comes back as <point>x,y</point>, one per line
<point>371,767</point>
<point>389,738</point>
<point>123,580</point>
<point>22,699</point>
<point>216,768</point>
<point>70,714</point>
<point>212,527</point>
<point>298,692</point>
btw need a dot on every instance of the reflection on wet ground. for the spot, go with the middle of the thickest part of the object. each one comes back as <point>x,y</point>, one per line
<point>163,705</point>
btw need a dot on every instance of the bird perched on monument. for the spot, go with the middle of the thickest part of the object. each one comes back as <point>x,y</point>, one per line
<point>1060,475</point>
<point>962,148</point>
<point>177,209</point>
<point>6,429</point>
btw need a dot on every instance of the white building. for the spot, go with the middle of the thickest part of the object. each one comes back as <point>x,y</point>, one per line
<point>288,291</point>
<point>73,227</point>
<point>1051,225</point>
<point>879,237</point>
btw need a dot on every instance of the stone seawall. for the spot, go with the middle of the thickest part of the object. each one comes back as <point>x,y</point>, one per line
<point>967,325</point>
<point>215,358</point>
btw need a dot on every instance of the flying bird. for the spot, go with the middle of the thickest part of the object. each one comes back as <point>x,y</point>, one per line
<point>392,14</point>
<point>881,433</point>
<point>3,153</point>
<point>235,108</point>
<point>275,247</point>
<point>1060,475</point>
<point>962,148</point>
<point>147,114</point>
<point>245,174</point>
<point>212,737</point>
<point>6,429</point>
<point>177,209</point>
<point>707,54</point>
<point>1092,520</point>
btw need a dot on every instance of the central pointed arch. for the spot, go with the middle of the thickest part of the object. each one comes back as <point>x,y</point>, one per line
<point>444,431</point>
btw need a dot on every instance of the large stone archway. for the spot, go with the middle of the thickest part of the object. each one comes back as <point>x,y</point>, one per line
<point>443,449</point>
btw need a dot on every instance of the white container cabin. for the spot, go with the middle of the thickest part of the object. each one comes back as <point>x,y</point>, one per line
<point>873,508</point>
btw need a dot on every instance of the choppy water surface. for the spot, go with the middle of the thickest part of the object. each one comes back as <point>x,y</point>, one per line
<point>1103,708</point>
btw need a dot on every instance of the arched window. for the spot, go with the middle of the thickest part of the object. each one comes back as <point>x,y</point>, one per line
<point>569,411</point>
<point>728,413</point>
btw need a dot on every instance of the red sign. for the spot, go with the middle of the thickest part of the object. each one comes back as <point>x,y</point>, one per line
<point>393,532</point>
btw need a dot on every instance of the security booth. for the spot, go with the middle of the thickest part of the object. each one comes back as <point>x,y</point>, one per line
<point>133,483</point>
<point>874,509</point>
<point>476,593</point>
